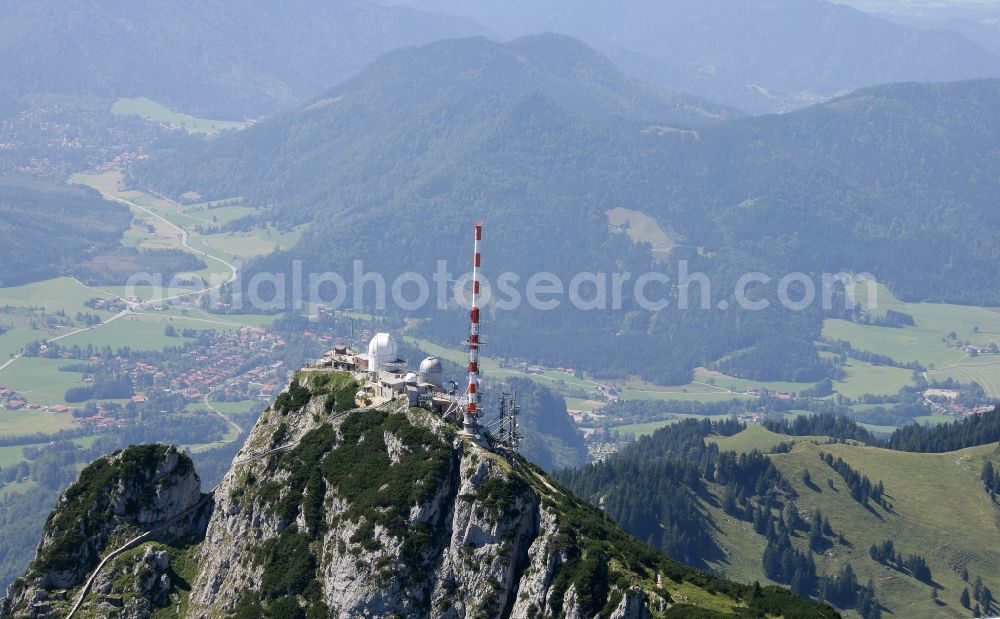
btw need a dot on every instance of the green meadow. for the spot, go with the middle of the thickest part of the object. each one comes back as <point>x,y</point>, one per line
<point>922,489</point>
<point>151,110</point>
<point>923,342</point>
<point>40,380</point>
<point>15,423</point>
<point>135,331</point>
<point>863,377</point>
<point>641,228</point>
<point>578,404</point>
<point>717,379</point>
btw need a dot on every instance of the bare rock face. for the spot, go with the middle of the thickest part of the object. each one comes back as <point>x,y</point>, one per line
<point>371,512</point>
<point>143,492</point>
<point>391,513</point>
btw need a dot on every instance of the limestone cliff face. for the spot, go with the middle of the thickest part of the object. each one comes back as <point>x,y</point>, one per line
<point>371,512</point>
<point>396,515</point>
<point>145,492</point>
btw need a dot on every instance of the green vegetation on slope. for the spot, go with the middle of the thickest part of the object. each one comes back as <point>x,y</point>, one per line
<point>835,500</point>
<point>86,512</point>
<point>70,223</point>
<point>805,191</point>
<point>354,461</point>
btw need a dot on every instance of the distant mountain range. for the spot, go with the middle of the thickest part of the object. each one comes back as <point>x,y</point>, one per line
<point>227,59</point>
<point>219,58</point>
<point>754,55</point>
<point>543,137</point>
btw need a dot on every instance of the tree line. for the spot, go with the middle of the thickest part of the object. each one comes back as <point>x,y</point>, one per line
<point>971,431</point>
<point>862,489</point>
<point>886,554</point>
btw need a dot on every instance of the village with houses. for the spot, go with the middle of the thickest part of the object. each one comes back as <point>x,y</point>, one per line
<point>245,364</point>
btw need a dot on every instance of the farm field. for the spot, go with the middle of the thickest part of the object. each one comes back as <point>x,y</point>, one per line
<point>984,370</point>
<point>578,404</point>
<point>61,293</point>
<point>863,377</point>
<point>151,110</point>
<point>922,489</point>
<point>12,454</point>
<point>14,340</point>
<point>219,212</point>
<point>718,379</point>
<point>225,320</point>
<point>17,423</point>
<point>148,231</point>
<point>136,331</point>
<point>159,224</point>
<point>40,380</point>
<point>257,242</point>
<point>643,429</point>
<point>692,392</point>
<point>242,406</point>
<point>923,342</point>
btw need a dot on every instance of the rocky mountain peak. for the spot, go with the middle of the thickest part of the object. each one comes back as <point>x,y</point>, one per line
<point>338,509</point>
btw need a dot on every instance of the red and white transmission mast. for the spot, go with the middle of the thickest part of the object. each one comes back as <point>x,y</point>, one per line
<point>473,397</point>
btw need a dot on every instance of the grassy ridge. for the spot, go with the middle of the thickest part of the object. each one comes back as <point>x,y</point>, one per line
<point>939,510</point>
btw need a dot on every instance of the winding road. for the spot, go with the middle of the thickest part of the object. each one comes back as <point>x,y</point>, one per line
<point>233,273</point>
<point>233,270</point>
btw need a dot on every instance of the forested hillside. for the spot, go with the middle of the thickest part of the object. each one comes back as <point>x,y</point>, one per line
<point>70,222</point>
<point>205,57</point>
<point>544,137</point>
<point>816,503</point>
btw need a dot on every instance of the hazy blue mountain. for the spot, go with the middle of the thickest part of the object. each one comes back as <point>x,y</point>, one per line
<point>978,22</point>
<point>391,167</point>
<point>215,57</point>
<point>754,55</point>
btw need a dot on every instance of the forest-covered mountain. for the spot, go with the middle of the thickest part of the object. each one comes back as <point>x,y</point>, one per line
<point>543,137</point>
<point>70,222</point>
<point>756,56</point>
<point>217,58</point>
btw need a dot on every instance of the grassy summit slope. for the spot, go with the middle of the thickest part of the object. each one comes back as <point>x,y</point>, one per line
<point>939,511</point>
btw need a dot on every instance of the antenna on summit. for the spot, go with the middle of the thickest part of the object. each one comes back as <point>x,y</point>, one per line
<point>472,395</point>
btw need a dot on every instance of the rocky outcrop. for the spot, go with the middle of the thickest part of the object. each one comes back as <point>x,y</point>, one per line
<point>374,512</point>
<point>397,515</point>
<point>145,492</point>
